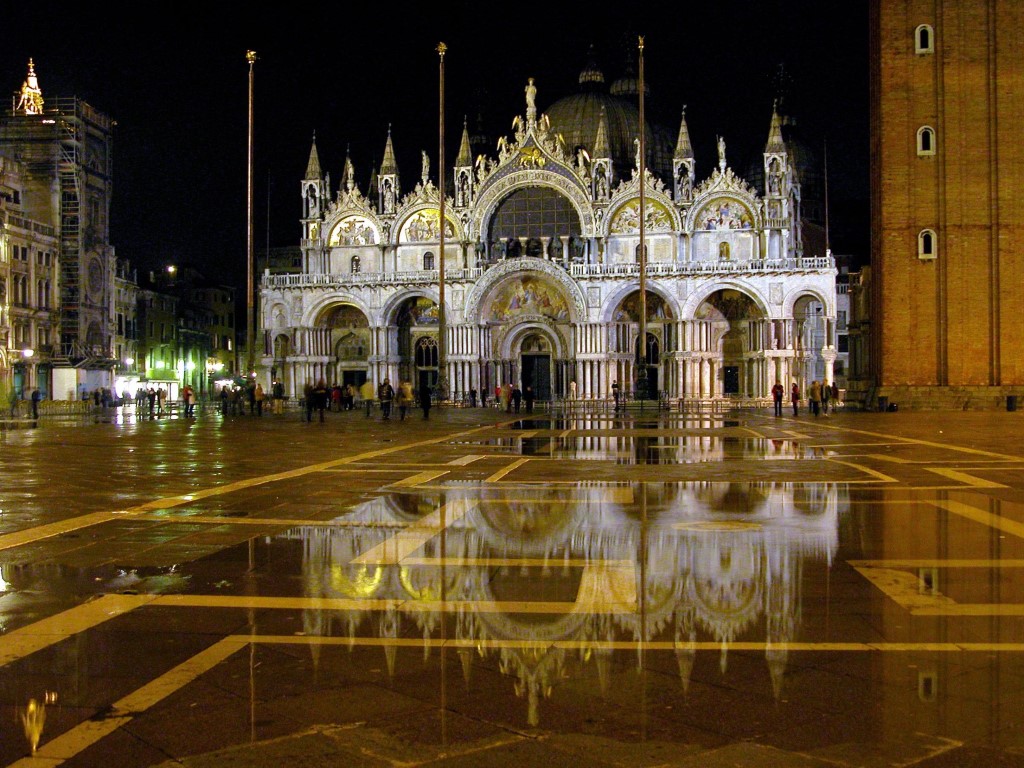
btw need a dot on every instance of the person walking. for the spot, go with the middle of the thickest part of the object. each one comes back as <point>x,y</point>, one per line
<point>366,393</point>
<point>472,398</point>
<point>506,397</point>
<point>777,392</point>
<point>834,399</point>
<point>260,396</point>
<point>615,394</point>
<point>814,396</point>
<point>307,400</point>
<point>826,393</point>
<point>386,394</point>
<point>794,395</point>
<point>36,397</point>
<point>425,399</point>
<point>225,395</point>
<point>528,398</point>
<point>278,393</point>
<point>321,398</point>
<point>404,398</point>
<point>517,398</point>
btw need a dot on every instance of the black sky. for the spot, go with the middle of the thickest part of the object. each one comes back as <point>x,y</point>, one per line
<point>174,77</point>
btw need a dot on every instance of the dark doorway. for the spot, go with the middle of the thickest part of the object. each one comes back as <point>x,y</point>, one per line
<point>427,376</point>
<point>731,382</point>
<point>355,378</point>
<point>651,393</point>
<point>537,374</point>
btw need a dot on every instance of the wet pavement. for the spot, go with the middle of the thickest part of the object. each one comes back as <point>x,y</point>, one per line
<point>476,589</point>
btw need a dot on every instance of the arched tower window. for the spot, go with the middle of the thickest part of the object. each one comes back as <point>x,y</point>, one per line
<point>925,140</point>
<point>355,264</point>
<point>428,261</point>
<point>927,244</point>
<point>924,39</point>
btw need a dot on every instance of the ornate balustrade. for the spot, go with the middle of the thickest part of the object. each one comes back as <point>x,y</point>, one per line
<point>674,269</point>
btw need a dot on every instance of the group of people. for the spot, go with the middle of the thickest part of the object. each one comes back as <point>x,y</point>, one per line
<point>511,397</point>
<point>34,399</point>
<point>821,396</point>
<point>319,398</point>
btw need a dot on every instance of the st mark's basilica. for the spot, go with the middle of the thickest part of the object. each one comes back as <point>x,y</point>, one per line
<point>541,266</point>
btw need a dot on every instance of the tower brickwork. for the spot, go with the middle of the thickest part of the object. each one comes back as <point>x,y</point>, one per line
<point>947,148</point>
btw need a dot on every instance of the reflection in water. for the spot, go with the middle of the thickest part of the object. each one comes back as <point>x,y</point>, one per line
<point>34,718</point>
<point>519,574</point>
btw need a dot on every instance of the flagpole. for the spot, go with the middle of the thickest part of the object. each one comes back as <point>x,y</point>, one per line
<point>442,326</point>
<point>250,56</point>
<point>641,382</point>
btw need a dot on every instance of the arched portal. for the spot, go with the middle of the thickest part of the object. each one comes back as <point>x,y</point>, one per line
<point>811,336</point>
<point>417,322</point>
<point>537,364</point>
<point>736,366</point>
<point>626,348</point>
<point>349,343</point>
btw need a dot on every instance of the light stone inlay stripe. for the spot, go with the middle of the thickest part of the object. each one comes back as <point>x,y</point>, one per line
<point>41,634</point>
<point>85,734</point>
<point>35,533</point>
<point>394,549</point>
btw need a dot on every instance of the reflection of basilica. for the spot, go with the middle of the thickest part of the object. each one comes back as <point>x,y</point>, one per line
<point>541,269</point>
<point>551,584</point>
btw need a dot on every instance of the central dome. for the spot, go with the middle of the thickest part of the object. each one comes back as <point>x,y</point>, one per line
<point>578,116</point>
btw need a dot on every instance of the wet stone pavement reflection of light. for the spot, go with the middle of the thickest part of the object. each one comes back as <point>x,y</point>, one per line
<point>485,590</point>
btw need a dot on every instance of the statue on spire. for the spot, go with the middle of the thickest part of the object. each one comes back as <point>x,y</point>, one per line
<point>31,100</point>
<point>531,102</point>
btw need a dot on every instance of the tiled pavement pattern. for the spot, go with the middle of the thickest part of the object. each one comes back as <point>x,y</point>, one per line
<point>486,590</point>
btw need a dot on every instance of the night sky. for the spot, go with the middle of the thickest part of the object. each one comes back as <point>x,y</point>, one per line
<point>174,77</point>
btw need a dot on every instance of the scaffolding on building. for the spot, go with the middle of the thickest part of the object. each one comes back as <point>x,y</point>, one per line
<point>53,147</point>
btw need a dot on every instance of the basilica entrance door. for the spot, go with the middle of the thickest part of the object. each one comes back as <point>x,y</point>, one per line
<point>731,383</point>
<point>537,374</point>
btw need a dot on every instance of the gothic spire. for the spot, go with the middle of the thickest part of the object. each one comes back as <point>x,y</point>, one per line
<point>775,142</point>
<point>601,147</point>
<point>684,150</point>
<point>389,166</point>
<point>465,154</point>
<point>313,172</point>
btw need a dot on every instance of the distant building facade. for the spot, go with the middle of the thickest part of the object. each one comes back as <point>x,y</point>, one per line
<point>541,267</point>
<point>62,148</point>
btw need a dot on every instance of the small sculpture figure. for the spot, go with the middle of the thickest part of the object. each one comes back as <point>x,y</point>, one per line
<point>426,166</point>
<point>531,99</point>
<point>721,150</point>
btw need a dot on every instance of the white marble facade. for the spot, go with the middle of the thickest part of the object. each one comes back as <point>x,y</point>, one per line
<point>732,302</point>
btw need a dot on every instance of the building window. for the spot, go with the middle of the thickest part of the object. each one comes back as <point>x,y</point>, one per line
<point>355,265</point>
<point>925,140</point>
<point>428,261</point>
<point>926,245</point>
<point>924,39</point>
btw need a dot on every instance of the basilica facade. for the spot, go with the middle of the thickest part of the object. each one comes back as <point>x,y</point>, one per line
<point>541,269</point>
